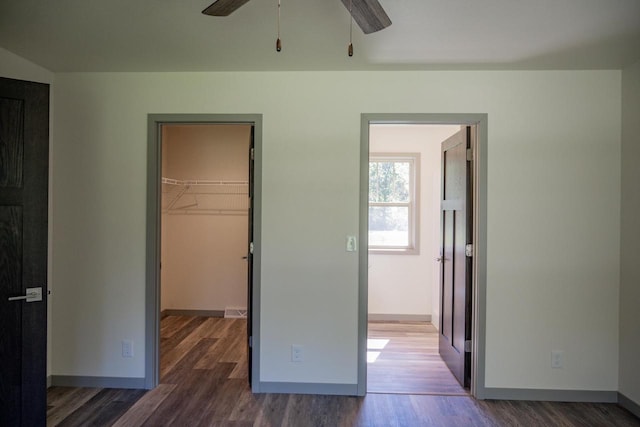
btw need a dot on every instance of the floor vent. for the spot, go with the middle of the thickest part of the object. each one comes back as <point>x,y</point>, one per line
<point>235,312</point>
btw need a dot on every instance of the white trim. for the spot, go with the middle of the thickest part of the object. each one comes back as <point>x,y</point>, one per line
<point>390,317</point>
<point>180,312</point>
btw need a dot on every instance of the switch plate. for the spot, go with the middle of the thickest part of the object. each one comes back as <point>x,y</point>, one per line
<point>352,244</point>
<point>127,348</point>
<point>557,358</point>
<point>297,353</point>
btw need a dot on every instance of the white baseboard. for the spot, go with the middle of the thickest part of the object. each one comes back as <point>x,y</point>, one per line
<point>200,313</point>
<point>389,317</point>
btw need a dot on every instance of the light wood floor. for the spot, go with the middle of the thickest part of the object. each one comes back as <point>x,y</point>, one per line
<point>407,360</point>
<point>203,383</point>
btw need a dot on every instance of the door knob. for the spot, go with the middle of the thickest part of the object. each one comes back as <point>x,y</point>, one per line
<point>32,295</point>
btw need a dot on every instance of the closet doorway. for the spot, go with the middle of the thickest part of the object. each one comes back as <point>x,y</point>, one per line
<point>203,247</point>
<point>205,205</point>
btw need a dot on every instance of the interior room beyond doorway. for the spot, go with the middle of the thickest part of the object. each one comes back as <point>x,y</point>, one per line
<point>204,219</point>
<point>403,285</point>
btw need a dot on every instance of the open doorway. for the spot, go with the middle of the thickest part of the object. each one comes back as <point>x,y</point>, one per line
<point>203,244</point>
<point>426,304</point>
<point>205,205</point>
<point>404,246</point>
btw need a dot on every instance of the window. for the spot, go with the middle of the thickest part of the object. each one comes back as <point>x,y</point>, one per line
<point>393,205</point>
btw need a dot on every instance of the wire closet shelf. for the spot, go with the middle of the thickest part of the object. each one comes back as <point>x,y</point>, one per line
<point>204,197</point>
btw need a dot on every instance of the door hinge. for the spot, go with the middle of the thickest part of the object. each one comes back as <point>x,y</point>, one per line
<point>467,346</point>
<point>468,250</point>
<point>469,154</point>
<point>251,248</point>
<point>252,154</point>
<point>251,342</point>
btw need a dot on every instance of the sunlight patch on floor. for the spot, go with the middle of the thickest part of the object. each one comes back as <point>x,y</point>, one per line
<point>375,344</point>
<point>372,356</point>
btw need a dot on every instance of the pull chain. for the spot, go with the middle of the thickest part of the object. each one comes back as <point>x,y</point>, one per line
<point>278,42</point>
<point>350,50</point>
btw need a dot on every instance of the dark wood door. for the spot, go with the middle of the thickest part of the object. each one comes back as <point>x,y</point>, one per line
<point>250,257</point>
<point>24,160</point>
<point>455,274</point>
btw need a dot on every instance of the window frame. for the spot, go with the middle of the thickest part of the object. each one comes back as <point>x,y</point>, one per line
<point>413,248</point>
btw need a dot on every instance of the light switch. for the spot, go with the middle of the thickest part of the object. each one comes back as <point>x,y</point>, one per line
<point>352,244</point>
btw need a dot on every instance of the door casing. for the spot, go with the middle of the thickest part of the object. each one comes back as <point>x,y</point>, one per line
<point>152,293</point>
<point>479,269</point>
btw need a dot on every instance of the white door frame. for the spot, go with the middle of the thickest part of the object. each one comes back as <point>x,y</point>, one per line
<point>152,294</point>
<point>479,229</point>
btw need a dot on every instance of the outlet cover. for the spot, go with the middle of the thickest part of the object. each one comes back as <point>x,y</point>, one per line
<point>557,358</point>
<point>127,348</point>
<point>297,353</point>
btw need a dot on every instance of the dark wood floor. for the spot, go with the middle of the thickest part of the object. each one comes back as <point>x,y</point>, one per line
<point>403,358</point>
<point>203,383</point>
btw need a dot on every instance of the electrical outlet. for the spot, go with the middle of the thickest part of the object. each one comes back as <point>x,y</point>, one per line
<point>557,358</point>
<point>127,348</point>
<point>297,353</point>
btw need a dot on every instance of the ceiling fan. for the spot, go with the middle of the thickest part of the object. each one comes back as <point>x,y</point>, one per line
<point>368,14</point>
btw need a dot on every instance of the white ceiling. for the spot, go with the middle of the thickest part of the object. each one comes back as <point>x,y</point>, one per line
<point>172,35</point>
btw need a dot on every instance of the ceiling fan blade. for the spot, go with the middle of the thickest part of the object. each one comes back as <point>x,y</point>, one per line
<point>223,7</point>
<point>368,14</point>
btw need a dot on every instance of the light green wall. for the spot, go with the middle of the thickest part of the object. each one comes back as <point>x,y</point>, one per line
<point>630,236</point>
<point>553,214</point>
